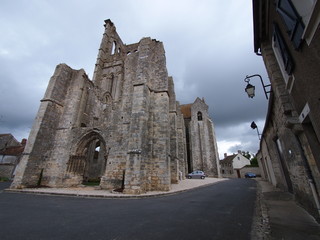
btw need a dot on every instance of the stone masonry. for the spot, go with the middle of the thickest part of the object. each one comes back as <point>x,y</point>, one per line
<point>124,128</point>
<point>201,141</point>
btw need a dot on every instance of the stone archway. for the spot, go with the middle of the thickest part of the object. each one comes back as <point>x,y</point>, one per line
<point>88,160</point>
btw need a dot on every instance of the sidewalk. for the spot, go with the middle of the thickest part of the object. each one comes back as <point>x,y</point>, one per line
<point>282,217</point>
<point>87,191</point>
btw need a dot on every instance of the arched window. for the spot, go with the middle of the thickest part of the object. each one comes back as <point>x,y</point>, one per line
<point>199,116</point>
<point>96,152</point>
<point>114,48</point>
<point>108,98</point>
<point>111,83</point>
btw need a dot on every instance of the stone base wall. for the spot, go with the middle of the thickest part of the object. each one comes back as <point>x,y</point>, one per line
<point>255,170</point>
<point>6,170</point>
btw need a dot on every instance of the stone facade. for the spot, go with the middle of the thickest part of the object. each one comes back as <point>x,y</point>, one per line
<point>200,139</point>
<point>289,153</point>
<point>124,128</point>
<point>10,154</point>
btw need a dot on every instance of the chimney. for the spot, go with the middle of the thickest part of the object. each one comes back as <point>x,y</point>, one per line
<point>239,151</point>
<point>23,142</point>
<point>225,155</point>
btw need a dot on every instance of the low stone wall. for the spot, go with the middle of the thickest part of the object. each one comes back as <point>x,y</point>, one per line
<point>6,170</point>
<point>255,170</point>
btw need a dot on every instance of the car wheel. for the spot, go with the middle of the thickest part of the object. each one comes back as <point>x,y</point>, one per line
<point>189,177</point>
<point>202,177</point>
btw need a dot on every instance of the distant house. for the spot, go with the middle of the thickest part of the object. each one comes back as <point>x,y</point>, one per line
<point>10,153</point>
<point>231,165</point>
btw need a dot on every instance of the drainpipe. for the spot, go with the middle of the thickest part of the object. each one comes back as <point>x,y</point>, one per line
<point>315,195</point>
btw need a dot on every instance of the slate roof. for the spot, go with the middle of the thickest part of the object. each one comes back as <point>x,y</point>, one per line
<point>228,159</point>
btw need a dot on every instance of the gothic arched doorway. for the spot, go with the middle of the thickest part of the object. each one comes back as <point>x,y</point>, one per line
<point>87,162</point>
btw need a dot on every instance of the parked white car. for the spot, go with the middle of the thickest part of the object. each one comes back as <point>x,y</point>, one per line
<point>196,174</point>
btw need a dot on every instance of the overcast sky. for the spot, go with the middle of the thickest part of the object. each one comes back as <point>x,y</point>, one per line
<point>208,44</point>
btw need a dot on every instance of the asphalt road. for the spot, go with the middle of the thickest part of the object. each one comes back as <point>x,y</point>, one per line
<point>220,211</point>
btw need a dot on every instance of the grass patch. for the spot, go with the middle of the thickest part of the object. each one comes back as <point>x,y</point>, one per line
<point>4,179</point>
<point>92,183</point>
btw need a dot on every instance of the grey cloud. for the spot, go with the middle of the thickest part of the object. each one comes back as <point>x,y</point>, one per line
<point>208,45</point>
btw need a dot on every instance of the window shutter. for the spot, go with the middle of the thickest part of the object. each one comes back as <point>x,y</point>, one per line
<point>286,57</point>
<point>292,21</point>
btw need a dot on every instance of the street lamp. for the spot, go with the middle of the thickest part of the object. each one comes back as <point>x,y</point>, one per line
<point>250,88</point>
<point>254,126</point>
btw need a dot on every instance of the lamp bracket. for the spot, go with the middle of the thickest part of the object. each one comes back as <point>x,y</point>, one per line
<point>247,80</point>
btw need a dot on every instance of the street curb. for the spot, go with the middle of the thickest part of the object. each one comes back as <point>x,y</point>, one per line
<point>120,196</point>
<point>265,228</point>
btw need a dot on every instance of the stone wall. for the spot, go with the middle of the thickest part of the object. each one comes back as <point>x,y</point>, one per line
<point>203,146</point>
<point>181,144</point>
<point>282,137</point>
<point>255,170</point>
<point>290,146</point>
<point>6,170</point>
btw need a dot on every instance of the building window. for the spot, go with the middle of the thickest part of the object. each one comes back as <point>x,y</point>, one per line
<point>111,83</point>
<point>292,20</point>
<point>114,48</point>
<point>199,116</point>
<point>304,8</point>
<point>286,59</point>
<point>308,10</point>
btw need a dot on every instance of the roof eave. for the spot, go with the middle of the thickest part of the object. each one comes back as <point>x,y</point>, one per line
<point>256,7</point>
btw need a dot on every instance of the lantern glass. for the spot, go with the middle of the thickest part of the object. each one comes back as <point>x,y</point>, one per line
<point>250,90</point>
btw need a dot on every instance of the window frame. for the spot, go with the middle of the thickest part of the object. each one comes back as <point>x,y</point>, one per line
<point>279,43</point>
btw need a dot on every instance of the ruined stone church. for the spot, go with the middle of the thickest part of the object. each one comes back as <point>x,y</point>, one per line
<point>124,128</point>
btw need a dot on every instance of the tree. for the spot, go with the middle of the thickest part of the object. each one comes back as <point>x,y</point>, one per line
<point>254,162</point>
<point>253,159</point>
<point>246,154</point>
